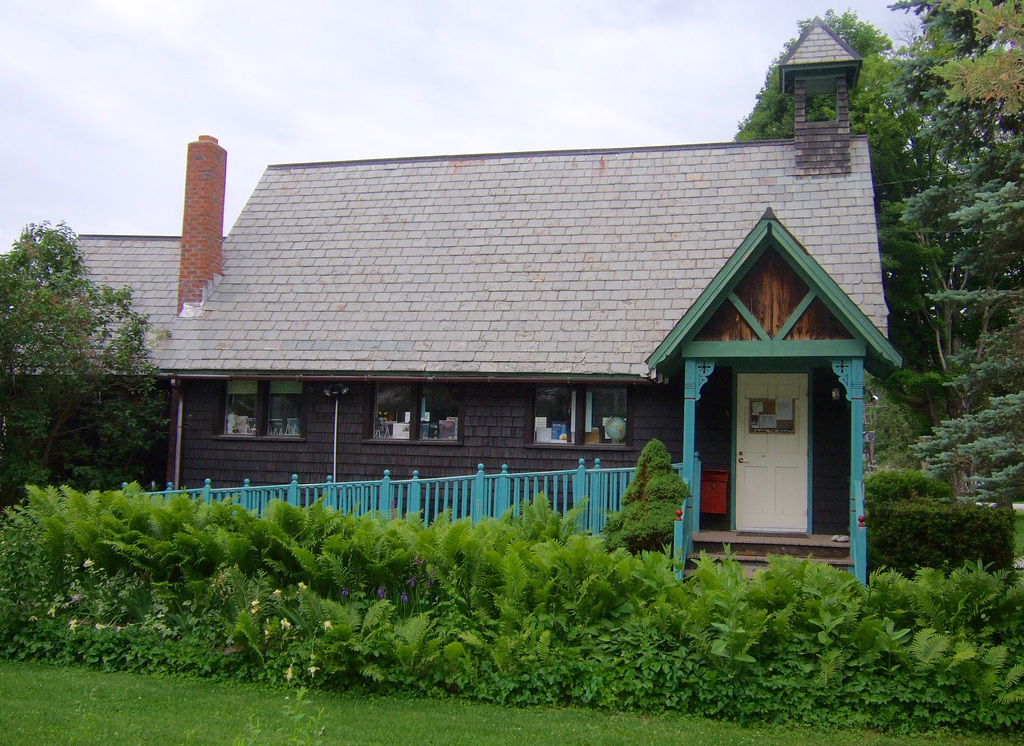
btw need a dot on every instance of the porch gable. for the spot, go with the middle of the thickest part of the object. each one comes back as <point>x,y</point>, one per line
<point>772,299</point>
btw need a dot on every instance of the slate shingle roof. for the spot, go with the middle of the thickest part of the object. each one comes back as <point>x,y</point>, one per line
<point>146,264</point>
<point>818,44</point>
<point>574,263</point>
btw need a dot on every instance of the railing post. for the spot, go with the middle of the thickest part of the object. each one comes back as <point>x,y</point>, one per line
<point>476,509</point>
<point>330,492</point>
<point>679,543</point>
<point>169,490</point>
<point>384,498</point>
<point>595,493</point>
<point>207,493</point>
<point>293,491</point>
<point>579,483</point>
<point>414,494</point>
<point>246,500</point>
<point>501,494</point>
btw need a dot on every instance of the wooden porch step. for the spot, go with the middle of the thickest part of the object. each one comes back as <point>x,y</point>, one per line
<point>820,547</point>
<point>753,563</point>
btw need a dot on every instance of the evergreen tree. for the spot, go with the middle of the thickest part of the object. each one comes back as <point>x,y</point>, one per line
<point>976,208</point>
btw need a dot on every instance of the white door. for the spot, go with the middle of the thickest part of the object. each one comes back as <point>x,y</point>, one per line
<point>771,452</point>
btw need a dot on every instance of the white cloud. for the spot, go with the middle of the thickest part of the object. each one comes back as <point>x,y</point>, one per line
<point>102,96</point>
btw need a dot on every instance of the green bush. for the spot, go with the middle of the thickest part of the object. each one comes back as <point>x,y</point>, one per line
<point>906,536</point>
<point>523,610</point>
<point>649,504</point>
<point>904,484</point>
<point>913,522</point>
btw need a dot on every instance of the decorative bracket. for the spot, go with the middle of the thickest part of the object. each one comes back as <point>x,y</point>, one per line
<point>851,375</point>
<point>701,371</point>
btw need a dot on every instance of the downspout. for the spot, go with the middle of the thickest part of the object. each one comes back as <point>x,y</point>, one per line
<point>178,431</point>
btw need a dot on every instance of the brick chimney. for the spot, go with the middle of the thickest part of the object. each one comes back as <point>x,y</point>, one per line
<point>202,227</point>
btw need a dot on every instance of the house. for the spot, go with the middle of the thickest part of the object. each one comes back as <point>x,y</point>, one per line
<point>532,309</point>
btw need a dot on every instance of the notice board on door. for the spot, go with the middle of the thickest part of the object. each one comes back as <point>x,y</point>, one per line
<point>771,415</point>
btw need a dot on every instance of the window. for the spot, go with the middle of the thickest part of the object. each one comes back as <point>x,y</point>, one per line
<point>263,408</point>
<point>284,407</point>
<point>425,412</point>
<point>554,415</point>
<point>240,408</point>
<point>588,415</point>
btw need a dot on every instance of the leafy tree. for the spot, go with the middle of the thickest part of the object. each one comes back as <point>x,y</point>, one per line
<point>976,207</point>
<point>78,398</point>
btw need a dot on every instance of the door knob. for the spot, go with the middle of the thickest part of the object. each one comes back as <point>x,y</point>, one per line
<point>742,460</point>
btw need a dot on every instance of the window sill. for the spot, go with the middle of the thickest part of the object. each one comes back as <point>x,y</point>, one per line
<point>262,438</point>
<point>410,442</point>
<point>581,446</point>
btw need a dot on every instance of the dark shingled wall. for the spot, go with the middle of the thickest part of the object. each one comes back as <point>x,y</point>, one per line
<point>830,478</point>
<point>495,419</point>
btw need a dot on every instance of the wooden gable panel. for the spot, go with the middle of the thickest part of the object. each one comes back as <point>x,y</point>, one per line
<point>771,291</point>
<point>727,325</point>
<point>817,322</point>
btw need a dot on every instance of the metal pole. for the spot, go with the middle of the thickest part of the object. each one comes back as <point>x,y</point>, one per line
<point>334,467</point>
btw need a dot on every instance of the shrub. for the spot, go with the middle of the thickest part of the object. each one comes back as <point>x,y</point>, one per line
<point>908,535</point>
<point>913,523</point>
<point>649,504</point>
<point>905,484</point>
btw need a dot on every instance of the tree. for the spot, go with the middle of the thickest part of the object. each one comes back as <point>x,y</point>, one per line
<point>78,397</point>
<point>902,162</point>
<point>967,67</point>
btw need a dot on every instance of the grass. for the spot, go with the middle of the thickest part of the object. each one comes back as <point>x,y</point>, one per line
<point>45,704</point>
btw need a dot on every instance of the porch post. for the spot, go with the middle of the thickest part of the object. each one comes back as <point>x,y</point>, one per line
<point>851,375</point>
<point>695,375</point>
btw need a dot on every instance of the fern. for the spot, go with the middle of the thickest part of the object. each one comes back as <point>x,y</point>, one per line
<point>830,667</point>
<point>246,634</point>
<point>929,647</point>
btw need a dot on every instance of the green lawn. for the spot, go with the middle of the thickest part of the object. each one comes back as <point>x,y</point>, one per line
<point>42,704</point>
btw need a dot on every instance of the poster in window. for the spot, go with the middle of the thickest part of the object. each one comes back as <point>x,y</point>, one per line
<point>771,415</point>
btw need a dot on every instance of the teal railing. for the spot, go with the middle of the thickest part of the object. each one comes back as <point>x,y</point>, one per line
<point>473,496</point>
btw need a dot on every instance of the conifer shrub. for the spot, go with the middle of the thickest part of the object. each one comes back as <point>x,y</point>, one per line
<point>649,504</point>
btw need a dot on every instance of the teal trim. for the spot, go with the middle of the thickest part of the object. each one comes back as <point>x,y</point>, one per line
<point>773,365</point>
<point>795,316</point>
<point>696,373</point>
<point>689,416</point>
<point>851,375</point>
<point>733,448</point>
<point>810,453</point>
<point>749,317</point>
<point>713,294</point>
<point>813,348</point>
<point>770,233</point>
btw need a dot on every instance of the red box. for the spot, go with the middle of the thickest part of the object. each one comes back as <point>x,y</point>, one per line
<point>714,491</point>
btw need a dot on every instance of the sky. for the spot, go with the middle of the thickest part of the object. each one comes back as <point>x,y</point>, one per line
<point>99,98</point>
